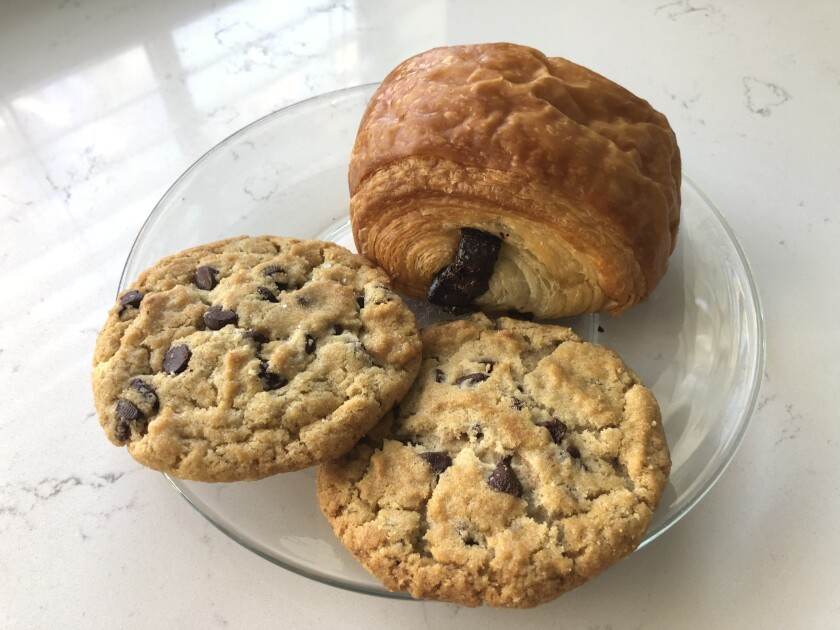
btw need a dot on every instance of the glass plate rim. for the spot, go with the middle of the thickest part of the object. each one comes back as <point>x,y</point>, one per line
<point>731,448</point>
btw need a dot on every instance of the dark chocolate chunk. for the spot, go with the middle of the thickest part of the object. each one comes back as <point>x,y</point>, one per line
<point>466,536</point>
<point>205,277</point>
<point>439,376</point>
<point>130,298</point>
<point>504,479</point>
<point>437,460</point>
<point>256,337</point>
<point>600,329</point>
<point>217,318</point>
<point>272,379</point>
<point>176,359</point>
<point>310,344</point>
<point>468,276</point>
<point>273,269</point>
<point>145,391</point>
<point>360,300</point>
<point>573,451</point>
<point>266,294</point>
<point>127,410</point>
<point>122,430</point>
<point>128,416</point>
<point>472,379</point>
<point>556,428</point>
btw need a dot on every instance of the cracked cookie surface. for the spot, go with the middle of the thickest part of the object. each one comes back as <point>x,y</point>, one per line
<point>252,356</point>
<point>522,463</point>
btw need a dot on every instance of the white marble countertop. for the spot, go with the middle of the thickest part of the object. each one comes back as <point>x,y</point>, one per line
<point>103,104</point>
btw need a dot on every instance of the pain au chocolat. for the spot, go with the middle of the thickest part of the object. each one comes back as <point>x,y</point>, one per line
<point>494,177</point>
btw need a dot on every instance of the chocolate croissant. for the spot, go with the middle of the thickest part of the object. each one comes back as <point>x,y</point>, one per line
<point>494,177</point>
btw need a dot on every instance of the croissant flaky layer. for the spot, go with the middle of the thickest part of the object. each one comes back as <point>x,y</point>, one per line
<point>577,177</point>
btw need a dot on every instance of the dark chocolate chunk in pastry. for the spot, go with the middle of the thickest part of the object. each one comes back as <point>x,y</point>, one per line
<point>506,490</point>
<point>251,356</point>
<point>468,276</point>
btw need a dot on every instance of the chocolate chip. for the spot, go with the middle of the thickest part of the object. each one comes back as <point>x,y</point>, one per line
<point>466,536</point>
<point>360,300</point>
<point>273,269</point>
<point>130,298</point>
<point>439,376</point>
<point>128,415</point>
<point>122,430</point>
<point>504,479</point>
<point>472,379</point>
<point>437,460</point>
<point>256,337</point>
<point>205,277</point>
<point>127,410</point>
<point>145,391</point>
<point>573,451</point>
<point>468,275</point>
<point>272,379</point>
<point>556,428</point>
<point>600,329</point>
<point>176,359</point>
<point>266,294</point>
<point>310,344</point>
<point>217,318</point>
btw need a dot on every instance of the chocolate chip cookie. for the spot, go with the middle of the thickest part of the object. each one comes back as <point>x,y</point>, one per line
<point>252,356</point>
<point>522,463</point>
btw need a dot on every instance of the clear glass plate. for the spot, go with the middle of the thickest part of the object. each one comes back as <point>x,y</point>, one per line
<point>698,342</point>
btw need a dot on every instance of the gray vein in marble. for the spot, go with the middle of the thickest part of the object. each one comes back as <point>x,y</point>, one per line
<point>763,96</point>
<point>329,7</point>
<point>681,8</point>
<point>217,35</point>
<point>16,202</point>
<point>223,114</point>
<point>19,500</point>
<point>93,164</point>
<point>686,104</point>
<point>763,402</point>
<point>259,195</point>
<point>790,431</point>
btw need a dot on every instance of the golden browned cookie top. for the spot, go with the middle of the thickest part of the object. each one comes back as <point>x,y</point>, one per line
<point>522,463</point>
<point>251,356</point>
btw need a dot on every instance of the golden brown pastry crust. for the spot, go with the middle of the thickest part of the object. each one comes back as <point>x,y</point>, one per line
<point>579,177</point>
